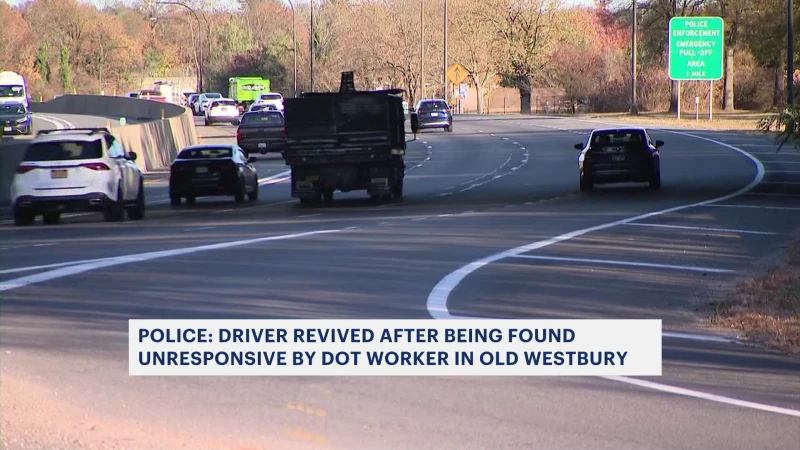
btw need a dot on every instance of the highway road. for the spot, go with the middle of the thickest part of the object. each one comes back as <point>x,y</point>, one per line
<point>493,225</point>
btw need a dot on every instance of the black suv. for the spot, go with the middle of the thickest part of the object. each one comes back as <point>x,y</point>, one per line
<point>434,114</point>
<point>619,155</point>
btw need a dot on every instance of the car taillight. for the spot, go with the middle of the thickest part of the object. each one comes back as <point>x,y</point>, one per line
<point>446,111</point>
<point>24,168</point>
<point>238,135</point>
<point>283,132</point>
<point>96,166</point>
<point>419,111</point>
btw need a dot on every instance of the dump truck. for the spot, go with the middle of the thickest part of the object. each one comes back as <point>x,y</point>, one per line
<point>245,90</point>
<point>347,141</point>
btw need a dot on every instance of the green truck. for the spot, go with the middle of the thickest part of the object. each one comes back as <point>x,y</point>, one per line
<point>245,90</point>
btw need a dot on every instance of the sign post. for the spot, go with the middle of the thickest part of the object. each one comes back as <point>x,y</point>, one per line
<point>696,51</point>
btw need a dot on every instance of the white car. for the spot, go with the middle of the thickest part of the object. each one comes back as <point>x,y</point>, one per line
<point>272,98</point>
<point>203,100</point>
<point>77,170</point>
<point>224,110</point>
<point>255,107</point>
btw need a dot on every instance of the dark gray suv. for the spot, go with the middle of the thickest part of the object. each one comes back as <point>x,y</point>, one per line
<point>434,114</point>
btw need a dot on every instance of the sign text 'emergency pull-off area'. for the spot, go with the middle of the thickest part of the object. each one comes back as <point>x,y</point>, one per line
<point>395,347</point>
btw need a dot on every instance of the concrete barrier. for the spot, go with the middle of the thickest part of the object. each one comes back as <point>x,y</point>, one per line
<point>164,130</point>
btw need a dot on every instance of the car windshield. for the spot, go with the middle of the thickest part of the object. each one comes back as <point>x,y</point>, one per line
<point>619,138</point>
<point>206,153</point>
<point>212,95</point>
<point>262,108</point>
<point>224,103</point>
<point>63,151</point>
<point>271,97</point>
<point>12,109</point>
<point>11,91</point>
<point>437,105</point>
<point>263,118</point>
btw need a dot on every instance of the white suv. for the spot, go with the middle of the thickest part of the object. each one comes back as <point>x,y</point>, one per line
<point>221,110</point>
<point>77,170</point>
<point>272,98</point>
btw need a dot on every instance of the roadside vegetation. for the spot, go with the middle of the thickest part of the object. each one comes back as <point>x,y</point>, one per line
<point>530,53</point>
<point>766,308</point>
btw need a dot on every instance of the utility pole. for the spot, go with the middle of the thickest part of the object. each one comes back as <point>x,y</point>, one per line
<point>311,45</point>
<point>421,49</point>
<point>789,55</point>
<point>444,61</point>
<point>634,107</point>
<point>294,46</point>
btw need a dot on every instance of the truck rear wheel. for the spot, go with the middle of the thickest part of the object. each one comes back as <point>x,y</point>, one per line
<point>327,196</point>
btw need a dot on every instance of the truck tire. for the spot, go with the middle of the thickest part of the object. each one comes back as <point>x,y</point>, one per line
<point>397,191</point>
<point>327,196</point>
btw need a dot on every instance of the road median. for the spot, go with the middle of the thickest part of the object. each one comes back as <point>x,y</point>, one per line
<point>766,307</point>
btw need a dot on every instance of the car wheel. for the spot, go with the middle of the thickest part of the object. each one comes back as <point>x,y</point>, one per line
<point>208,122</point>
<point>51,218</point>
<point>136,212</point>
<point>586,184</point>
<point>449,129</point>
<point>174,200</point>
<point>241,190</point>
<point>655,181</point>
<point>190,200</point>
<point>253,196</point>
<point>23,217</point>
<point>397,191</point>
<point>115,212</point>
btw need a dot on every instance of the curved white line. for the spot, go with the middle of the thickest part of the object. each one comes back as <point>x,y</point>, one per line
<point>437,299</point>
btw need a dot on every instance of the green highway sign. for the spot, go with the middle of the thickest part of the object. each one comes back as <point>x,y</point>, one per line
<point>696,48</point>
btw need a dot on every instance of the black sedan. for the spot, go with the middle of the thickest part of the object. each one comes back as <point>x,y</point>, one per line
<point>619,155</point>
<point>434,114</point>
<point>15,119</point>
<point>262,131</point>
<point>212,170</point>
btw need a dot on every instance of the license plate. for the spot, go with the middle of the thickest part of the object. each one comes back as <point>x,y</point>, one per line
<point>619,158</point>
<point>262,145</point>
<point>60,173</point>
<point>201,169</point>
<point>6,128</point>
<point>434,114</point>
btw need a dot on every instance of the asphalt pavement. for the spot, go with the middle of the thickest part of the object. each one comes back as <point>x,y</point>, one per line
<point>500,191</point>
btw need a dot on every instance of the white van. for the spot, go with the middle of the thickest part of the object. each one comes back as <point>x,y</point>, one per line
<point>13,88</point>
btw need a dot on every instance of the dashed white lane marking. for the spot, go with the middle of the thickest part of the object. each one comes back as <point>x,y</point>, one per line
<point>141,257</point>
<point>624,263</point>
<point>684,227</point>
<point>277,178</point>
<point>437,299</point>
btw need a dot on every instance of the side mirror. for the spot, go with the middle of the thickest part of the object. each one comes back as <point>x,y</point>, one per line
<point>236,122</point>
<point>132,156</point>
<point>659,144</point>
<point>252,159</point>
<point>578,146</point>
<point>414,123</point>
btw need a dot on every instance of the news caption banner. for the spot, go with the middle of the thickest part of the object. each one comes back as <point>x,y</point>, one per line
<point>395,348</point>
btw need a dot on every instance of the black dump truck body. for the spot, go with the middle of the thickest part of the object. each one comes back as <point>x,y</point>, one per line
<point>345,141</point>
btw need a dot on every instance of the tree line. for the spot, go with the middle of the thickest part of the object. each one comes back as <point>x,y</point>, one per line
<point>584,52</point>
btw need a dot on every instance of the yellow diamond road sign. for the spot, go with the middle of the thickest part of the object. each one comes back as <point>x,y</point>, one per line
<point>457,73</point>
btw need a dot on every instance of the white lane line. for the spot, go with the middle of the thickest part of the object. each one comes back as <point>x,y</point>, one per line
<point>698,337</point>
<point>779,208</point>
<point>624,263</point>
<point>222,211</point>
<point>277,178</point>
<point>198,228</point>
<point>308,215</point>
<point>141,257</point>
<point>50,266</point>
<point>684,227</point>
<point>704,396</point>
<point>437,299</point>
